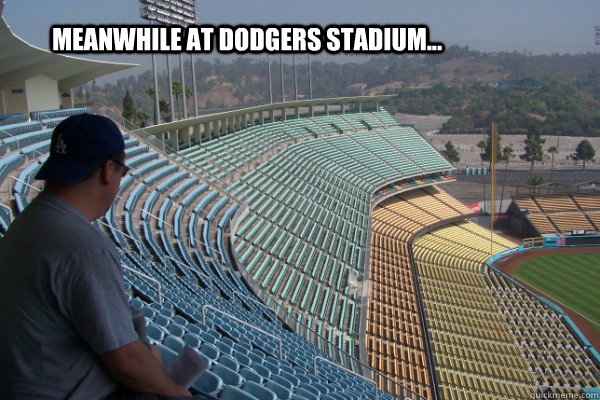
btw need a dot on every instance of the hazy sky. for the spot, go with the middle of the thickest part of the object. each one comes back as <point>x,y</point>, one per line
<point>541,26</point>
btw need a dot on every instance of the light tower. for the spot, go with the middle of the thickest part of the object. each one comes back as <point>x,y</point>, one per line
<point>169,12</point>
<point>597,29</point>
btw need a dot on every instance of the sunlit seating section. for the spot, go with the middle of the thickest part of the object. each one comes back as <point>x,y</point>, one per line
<point>489,336</point>
<point>525,202</point>
<point>556,358</point>
<point>587,201</point>
<point>568,221</point>
<point>395,341</point>
<point>560,212</point>
<point>542,223</point>
<point>554,203</point>
<point>594,216</point>
<point>474,350</point>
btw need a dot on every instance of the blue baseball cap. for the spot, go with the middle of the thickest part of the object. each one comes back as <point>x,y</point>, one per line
<point>77,145</point>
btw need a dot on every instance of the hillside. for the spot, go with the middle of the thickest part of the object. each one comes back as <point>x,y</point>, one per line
<point>559,92</point>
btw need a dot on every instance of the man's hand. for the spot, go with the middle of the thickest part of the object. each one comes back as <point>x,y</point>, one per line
<point>156,354</point>
<point>137,368</point>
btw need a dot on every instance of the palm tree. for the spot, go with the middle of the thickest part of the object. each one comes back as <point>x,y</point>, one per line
<point>507,153</point>
<point>481,146</point>
<point>177,93</point>
<point>552,150</point>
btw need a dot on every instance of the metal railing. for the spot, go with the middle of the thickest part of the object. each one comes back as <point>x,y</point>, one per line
<point>315,372</point>
<point>256,328</point>
<point>147,277</point>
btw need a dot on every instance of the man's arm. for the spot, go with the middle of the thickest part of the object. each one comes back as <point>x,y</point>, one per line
<point>135,367</point>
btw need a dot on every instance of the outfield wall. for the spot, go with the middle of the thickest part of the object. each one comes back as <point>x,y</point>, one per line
<point>550,242</point>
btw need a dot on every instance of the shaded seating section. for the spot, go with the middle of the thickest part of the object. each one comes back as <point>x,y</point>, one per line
<point>62,113</point>
<point>561,213</point>
<point>244,362</point>
<point>305,237</point>
<point>7,119</point>
<point>221,155</point>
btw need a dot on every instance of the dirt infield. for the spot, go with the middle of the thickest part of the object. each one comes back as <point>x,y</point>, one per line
<point>508,265</point>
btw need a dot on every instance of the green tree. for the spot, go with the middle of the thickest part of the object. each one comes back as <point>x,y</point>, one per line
<point>141,118</point>
<point>534,147</point>
<point>535,182</point>
<point>553,150</point>
<point>177,93</point>
<point>507,153</point>
<point>165,110</point>
<point>487,151</point>
<point>128,108</point>
<point>584,151</point>
<point>451,152</point>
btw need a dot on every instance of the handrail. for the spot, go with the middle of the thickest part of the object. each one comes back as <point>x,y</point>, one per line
<point>148,277</point>
<point>347,370</point>
<point>255,301</point>
<point>167,151</point>
<point>19,140</point>
<point>207,306</point>
<point>24,183</point>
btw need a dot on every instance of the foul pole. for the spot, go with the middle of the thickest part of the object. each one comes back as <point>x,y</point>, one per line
<point>493,187</point>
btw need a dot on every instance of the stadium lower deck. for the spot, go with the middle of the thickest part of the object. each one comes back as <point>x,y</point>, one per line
<point>285,222</point>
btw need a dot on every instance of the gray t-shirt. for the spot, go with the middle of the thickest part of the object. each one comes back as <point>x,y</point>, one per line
<point>61,304</point>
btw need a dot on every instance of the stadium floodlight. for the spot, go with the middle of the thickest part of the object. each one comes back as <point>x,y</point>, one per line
<point>169,12</point>
<point>597,28</point>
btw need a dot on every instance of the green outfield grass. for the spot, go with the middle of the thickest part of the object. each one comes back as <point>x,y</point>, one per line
<point>572,279</point>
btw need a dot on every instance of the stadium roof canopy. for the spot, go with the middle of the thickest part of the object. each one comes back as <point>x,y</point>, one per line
<point>20,61</point>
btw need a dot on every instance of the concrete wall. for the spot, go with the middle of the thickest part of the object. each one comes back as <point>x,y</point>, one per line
<point>66,99</point>
<point>42,93</point>
<point>15,99</point>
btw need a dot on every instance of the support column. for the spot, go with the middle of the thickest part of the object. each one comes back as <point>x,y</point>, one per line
<point>343,108</point>
<point>283,115</point>
<point>271,116</point>
<point>244,120</point>
<point>262,118</point>
<point>187,139</point>
<point>197,135</point>
<point>377,106</point>
<point>238,125</point>
<point>297,112</point>
<point>326,109</point>
<point>231,126</point>
<point>360,106</point>
<point>221,127</point>
<point>311,111</point>
<point>207,131</point>
<point>174,139</point>
<point>170,79</point>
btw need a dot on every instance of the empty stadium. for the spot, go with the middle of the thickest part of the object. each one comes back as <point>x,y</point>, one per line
<point>308,250</point>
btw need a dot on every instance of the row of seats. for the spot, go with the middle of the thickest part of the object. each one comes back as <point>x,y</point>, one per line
<point>490,338</point>
<point>561,212</point>
<point>395,338</point>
